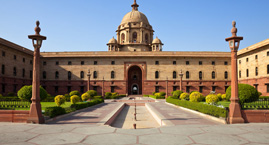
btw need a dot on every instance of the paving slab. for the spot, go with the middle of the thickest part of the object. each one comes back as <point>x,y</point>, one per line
<point>111,139</point>
<point>164,139</point>
<point>181,130</point>
<point>15,137</point>
<point>256,137</point>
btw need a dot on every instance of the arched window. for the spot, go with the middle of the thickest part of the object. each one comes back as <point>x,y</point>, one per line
<point>187,74</point>
<point>135,77</point>
<point>200,75</point>
<point>156,74</point>
<point>69,75</point>
<point>122,38</point>
<point>134,37</point>
<point>174,74</point>
<point>95,74</point>
<point>147,38</point>
<point>247,72</point>
<point>44,75</point>
<point>112,74</point>
<point>256,71</point>
<point>82,74</point>
<point>23,73</point>
<point>14,71</point>
<point>240,74</point>
<point>213,75</point>
<point>226,75</point>
<point>56,75</point>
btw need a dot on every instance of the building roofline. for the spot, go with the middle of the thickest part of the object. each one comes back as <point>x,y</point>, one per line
<point>253,47</point>
<point>15,46</point>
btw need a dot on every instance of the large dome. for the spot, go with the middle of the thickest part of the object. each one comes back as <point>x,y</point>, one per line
<point>135,16</point>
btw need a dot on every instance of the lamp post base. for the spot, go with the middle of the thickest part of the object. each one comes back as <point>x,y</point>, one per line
<point>35,115</point>
<point>236,120</point>
<point>235,113</point>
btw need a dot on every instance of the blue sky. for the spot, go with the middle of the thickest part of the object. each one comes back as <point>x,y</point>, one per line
<point>87,25</point>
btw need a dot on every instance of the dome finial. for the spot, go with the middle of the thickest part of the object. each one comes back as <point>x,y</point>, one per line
<point>37,28</point>
<point>234,29</point>
<point>135,6</point>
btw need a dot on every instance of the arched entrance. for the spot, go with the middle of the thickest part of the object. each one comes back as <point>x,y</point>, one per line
<point>135,80</point>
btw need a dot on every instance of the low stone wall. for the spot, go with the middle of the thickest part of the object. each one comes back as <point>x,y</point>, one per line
<point>13,116</point>
<point>256,116</point>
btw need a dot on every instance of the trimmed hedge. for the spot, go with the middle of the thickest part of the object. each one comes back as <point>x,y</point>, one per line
<point>203,108</point>
<point>10,98</point>
<point>264,97</point>
<point>246,93</point>
<point>54,111</point>
<point>157,97</point>
<point>82,105</point>
<point>145,95</point>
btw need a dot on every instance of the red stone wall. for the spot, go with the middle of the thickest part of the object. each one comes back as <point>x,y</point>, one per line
<point>10,84</point>
<point>13,116</point>
<point>261,82</point>
<point>255,116</point>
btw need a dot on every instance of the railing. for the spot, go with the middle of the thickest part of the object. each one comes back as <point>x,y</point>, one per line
<point>14,104</point>
<point>261,104</point>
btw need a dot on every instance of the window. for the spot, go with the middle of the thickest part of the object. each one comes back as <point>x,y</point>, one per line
<point>267,88</point>
<point>174,88</point>
<point>57,63</point>
<point>112,62</point>
<point>187,74</point>
<point>256,71</point>
<point>82,62</point>
<point>200,75</point>
<point>69,62</point>
<point>156,89</point>
<point>174,62</point>
<point>15,57</point>
<point>31,74</point>
<point>112,89</point>
<point>267,53</point>
<point>23,59</point>
<point>69,75</point>
<point>240,74</point>
<point>134,77</point>
<point>247,72</point>
<point>4,88</point>
<point>44,75</point>
<point>156,74</point>
<point>68,89</point>
<point>256,56</point>
<point>14,88</point>
<point>174,74</point>
<point>156,62</point>
<point>95,63</point>
<point>134,37</point>
<point>95,88</point>
<point>200,63</point>
<point>14,71</point>
<point>226,87</point>
<point>226,75</point>
<point>246,59</point>
<point>23,72</point>
<point>112,74</point>
<point>95,74</point>
<point>81,89</point>
<point>187,89</point>
<point>31,61</point>
<point>201,89</point>
<point>239,61</point>
<point>56,75</point>
<point>187,63</point>
<point>56,88</point>
<point>213,62</point>
<point>213,75</point>
<point>82,74</point>
<point>267,68</point>
<point>214,88</point>
<point>226,62</point>
<point>4,53</point>
<point>147,38</point>
<point>3,69</point>
<point>122,38</point>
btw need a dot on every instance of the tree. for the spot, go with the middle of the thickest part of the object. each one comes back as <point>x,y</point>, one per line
<point>25,93</point>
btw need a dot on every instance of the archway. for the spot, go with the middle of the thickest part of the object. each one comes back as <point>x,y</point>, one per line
<point>135,81</point>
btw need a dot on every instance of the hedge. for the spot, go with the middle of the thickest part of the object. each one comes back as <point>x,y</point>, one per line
<point>145,95</point>
<point>246,93</point>
<point>264,97</point>
<point>54,111</point>
<point>203,108</point>
<point>82,105</point>
<point>157,97</point>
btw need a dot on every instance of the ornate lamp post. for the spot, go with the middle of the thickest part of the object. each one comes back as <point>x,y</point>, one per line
<point>235,110</point>
<point>180,75</point>
<point>89,79</point>
<point>35,115</point>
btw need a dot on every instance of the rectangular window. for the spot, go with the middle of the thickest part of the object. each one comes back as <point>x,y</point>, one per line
<point>81,89</point>
<point>14,88</point>
<point>56,89</point>
<point>174,62</point>
<point>267,53</point>
<point>214,88</point>
<point>68,89</point>
<point>246,59</point>
<point>247,72</point>
<point>239,61</point>
<point>187,63</point>
<point>69,62</point>
<point>95,88</point>
<point>82,62</point>
<point>112,89</point>
<point>156,62</point>
<point>267,88</point>
<point>95,62</point>
<point>31,74</point>
<point>23,59</point>
<point>200,63</point>
<point>213,62</point>
<point>4,88</point>
<point>3,53</point>
<point>226,62</point>
<point>174,88</point>
<point>188,89</point>
<point>256,56</point>
<point>201,89</point>
<point>15,57</point>
<point>31,61</point>
<point>44,63</point>
<point>112,62</point>
<point>156,89</point>
<point>3,69</point>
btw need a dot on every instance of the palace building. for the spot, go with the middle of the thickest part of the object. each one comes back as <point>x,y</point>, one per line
<point>135,63</point>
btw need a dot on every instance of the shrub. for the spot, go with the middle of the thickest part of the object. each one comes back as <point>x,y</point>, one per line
<point>97,97</point>
<point>157,96</point>
<point>246,93</point>
<point>223,96</point>
<point>1,95</point>
<point>74,93</point>
<point>196,97</point>
<point>259,93</point>
<point>92,93</point>
<point>204,108</point>
<point>74,99</point>
<point>153,93</point>
<point>193,92</point>
<point>114,95</point>
<point>25,93</point>
<point>122,95</point>
<point>59,100</point>
<point>54,111</point>
<point>219,96</point>
<point>145,95</point>
<point>264,97</point>
<point>212,99</point>
<point>173,97</point>
<point>82,105</point>
<point>85,97</point>
<point>67,97</point>
<point>184,96</point>
<point>177,93</point>
<point>162,93</point>
<point>49,98</point>
<point>108,95</point>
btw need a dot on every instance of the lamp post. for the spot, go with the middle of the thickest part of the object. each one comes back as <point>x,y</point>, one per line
<point>166,87</point>
<point>103,87</point>
<point>180,75</point>
<point>89,79</point>
<point>35,114</point>
<point>235,110</point>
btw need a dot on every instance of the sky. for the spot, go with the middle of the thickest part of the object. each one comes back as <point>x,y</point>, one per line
<point>87,25</point>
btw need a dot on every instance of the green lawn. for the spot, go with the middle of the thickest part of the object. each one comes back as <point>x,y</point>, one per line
<point>44,105</point>
<point>224,103</point>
